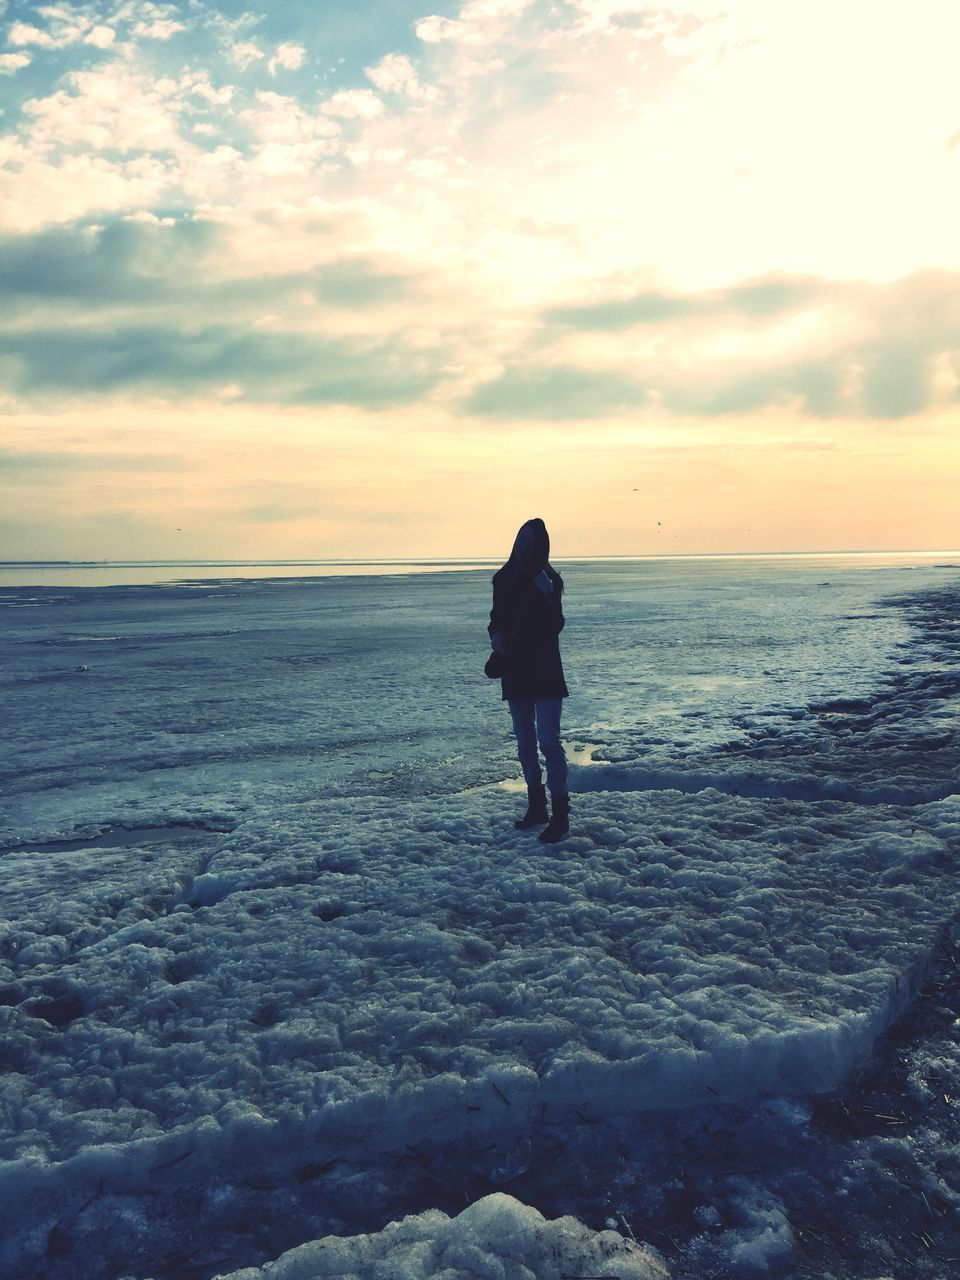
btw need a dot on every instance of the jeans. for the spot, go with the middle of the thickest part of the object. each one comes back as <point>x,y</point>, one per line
<point>540,718</point>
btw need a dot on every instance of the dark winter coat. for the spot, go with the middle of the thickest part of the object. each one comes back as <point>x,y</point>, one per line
<point>531,664</point>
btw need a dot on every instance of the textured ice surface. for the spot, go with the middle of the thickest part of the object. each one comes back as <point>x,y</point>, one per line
<point>353,976</point>
<point>496,1238</point>
<point>372,962</point>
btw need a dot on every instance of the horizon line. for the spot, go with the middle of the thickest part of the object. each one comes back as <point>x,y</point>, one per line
<point>212,561</point>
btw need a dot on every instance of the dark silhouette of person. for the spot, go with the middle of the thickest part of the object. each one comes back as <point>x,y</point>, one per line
<point>525,625</point>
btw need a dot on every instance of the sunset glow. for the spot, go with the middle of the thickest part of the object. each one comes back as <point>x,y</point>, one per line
<point>381,280</point>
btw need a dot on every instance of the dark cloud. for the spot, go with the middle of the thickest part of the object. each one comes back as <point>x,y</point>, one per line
<point>861,350</point>
<point>282,368</point>
<point>816,387</point>
<point>772,295</point>
<point>897,380</point>
<point>121,262</point>
<point>624,313</point>
<point>762,297</point>
<point>555,392</point>
<point>66,297</point>
<point>27,465</point>
<point>151,264</point>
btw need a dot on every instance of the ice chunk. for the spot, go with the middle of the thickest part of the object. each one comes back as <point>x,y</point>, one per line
<point>496,1238</point>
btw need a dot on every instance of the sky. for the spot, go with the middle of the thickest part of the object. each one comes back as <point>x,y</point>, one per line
<point>319,279</point>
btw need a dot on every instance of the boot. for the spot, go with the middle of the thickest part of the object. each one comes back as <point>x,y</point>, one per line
<point>536,814</point>
<point>559,824</point>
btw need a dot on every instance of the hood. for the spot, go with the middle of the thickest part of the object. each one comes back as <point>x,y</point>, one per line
<point>531,547</point>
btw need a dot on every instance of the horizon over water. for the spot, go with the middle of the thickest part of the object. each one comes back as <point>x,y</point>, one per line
<point>156,571</point>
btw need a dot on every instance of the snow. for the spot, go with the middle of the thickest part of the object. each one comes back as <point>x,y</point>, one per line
<point>266,927</point>
<point>390,964</point>
<point>496,1238</point>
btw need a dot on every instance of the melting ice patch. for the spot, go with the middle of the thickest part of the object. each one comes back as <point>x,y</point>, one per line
<point>890,736</point>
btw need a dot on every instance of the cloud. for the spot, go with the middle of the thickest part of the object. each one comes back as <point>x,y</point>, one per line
<point>815,347</point>
<point>161,307</point>
<point>101,37</point>
<point>809,346</point>
<point>185,269</point>
<point>10,63</point>
<point>354,104</point>
<point>126,261</point>
<point>288,57</point>
<point>445,112</point>
<point>22,33</point>
<point>66,25</point>
<point>478,22</point>
<point>111,108</point>
<point>37,466</point>
<point>245,53</point>
<point>616,314</point>
<point>764,297</point>
<point>221,360</point>
<point>282,119</point>
<point>515,151</point>
<point>557,392</point>
<point>73,24</point>
<point>395,73</point>
<point>156,21</point>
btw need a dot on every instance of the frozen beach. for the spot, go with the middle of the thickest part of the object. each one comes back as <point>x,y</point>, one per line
<point>275,966</point>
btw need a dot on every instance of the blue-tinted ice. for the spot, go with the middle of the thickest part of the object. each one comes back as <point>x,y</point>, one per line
<point>265,913</point>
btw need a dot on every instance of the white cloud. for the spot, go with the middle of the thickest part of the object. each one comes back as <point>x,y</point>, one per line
<point>160,29</point>
<point>245,52</point>
<point>279,118</point>
<point>151,219</point>
<point>39,192</point>
<point>354,104</point>
<point>434,30</point>
<point>12,62</point>
<point>154,21</point>
<point>198,82</point>
<point>428,168</point>
<point>23,33</point>
<point>112,107</point>
<point>479,21</point>
<point>289,57</point>
<point>101,37</point>
<point>65,25</point>
<point>276,159</point>
<point>288,139</point>
<point>396,74</point>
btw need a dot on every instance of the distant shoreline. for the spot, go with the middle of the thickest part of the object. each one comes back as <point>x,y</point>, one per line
<point>21,575</point>
<point>217,562</point>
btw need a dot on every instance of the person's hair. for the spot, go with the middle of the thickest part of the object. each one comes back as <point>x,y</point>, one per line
<point>541,560</point>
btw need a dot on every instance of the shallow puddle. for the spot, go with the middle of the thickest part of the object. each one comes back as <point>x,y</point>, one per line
<point>120,837</point>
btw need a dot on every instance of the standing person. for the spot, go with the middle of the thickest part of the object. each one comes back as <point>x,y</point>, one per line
<point>525,624</point>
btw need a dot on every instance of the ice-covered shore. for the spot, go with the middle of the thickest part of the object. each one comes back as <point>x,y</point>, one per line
<point>278,1016</point>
